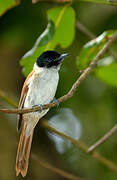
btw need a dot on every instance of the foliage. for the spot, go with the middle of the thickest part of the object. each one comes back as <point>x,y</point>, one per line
<point>108,73</point>
<point>7,4</point>
<point>54,34</point>
<point>90,50</point>
<point>106,69</point>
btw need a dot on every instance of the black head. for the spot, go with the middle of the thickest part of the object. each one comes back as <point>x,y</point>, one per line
<point>50,59</point>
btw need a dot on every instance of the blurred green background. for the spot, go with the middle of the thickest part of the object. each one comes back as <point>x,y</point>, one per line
<point>90,113</point>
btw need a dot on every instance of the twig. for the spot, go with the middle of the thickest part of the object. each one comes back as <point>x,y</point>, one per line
<point>74,87</point>
<point>79,144</point>
<point>85,30</point>
<point>82,146</point>
<point>103,139</point>
<point>109,2</point>
<point>56,170</point>
<point>85,73</point>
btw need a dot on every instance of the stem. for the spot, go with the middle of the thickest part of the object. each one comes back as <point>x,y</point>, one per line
<point>109,2</point>
<point>85,30</point>
<point>82,146</point>
<point>56,170</point>
<point>103,139</point>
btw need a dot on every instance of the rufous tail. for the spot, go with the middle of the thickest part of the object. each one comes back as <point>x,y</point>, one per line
<point>23,152</point>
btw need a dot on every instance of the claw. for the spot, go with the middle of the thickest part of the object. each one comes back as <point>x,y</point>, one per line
<point>55,101</point>
<point>41,107</point>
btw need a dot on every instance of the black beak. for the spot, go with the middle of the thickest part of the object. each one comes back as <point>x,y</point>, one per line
<point>62,56</point>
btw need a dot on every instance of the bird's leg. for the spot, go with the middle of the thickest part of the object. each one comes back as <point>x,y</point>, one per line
<point>55,101</point>
<point>40,105</point>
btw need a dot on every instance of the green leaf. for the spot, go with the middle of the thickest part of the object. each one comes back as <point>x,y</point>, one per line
<point>64,19</point>
<point>60,31</point>
<point>47,35</point>
<point>108,74</point>
<point>106,61</point>
<point>7,4</point>
<point>90,50</point>
<point>29,58</point>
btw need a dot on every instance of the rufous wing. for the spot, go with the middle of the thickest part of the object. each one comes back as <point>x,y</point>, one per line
<point>22,99</point>
<point>25,142</point>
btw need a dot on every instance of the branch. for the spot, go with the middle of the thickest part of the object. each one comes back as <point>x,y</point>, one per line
<point>74,87</point>
<point>85,73</point>
<point>109,2</point>
<point>56,170</point>
<point>88,33</point>
<point>85,30</point>
<point>103,139</point>
<point>82,146</point>
<point>79,144</point>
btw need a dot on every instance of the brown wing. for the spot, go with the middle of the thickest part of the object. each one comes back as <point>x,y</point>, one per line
<point>22,99</point>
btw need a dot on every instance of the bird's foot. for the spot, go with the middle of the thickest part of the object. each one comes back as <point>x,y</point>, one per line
<point>55,101</point>
<point>41,107</point>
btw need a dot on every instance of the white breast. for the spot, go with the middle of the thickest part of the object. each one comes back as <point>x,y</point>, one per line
<point>42,87</point>
<point>41,90</point>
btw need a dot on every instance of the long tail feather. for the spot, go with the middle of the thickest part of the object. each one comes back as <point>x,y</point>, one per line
<point>23,153</point>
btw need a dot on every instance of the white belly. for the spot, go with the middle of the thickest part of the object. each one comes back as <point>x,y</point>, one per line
<point>41,90</point>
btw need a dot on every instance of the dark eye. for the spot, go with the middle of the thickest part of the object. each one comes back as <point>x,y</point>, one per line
<point>48,60</point>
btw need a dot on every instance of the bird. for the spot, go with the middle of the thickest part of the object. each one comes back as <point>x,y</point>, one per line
<point>39,88</point>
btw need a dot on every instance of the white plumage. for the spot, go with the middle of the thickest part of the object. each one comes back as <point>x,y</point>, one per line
<point>42,87</point>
